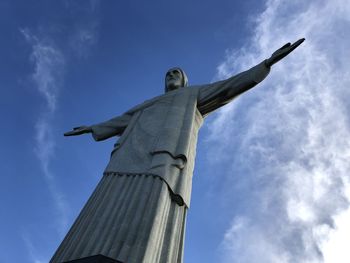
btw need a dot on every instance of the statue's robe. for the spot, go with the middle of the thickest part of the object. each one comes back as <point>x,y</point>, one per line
<point>137,212</point>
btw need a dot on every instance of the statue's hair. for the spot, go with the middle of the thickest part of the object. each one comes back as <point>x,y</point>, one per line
<point>184,78</point>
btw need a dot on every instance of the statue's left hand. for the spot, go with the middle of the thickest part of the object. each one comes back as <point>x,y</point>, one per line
<point>79,130</point>
<point>282,52</point>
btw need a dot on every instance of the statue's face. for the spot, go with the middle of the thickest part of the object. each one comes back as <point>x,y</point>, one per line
<point>174,79</point>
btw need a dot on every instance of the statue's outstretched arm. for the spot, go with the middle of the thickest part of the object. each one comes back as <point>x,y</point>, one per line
<point>215,95</point>
<point>104,130</point>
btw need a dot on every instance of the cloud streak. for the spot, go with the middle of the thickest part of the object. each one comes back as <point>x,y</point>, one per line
<point>48,67</point>
<point>49,64</point>
<point>294,130</point>
<point>31,249</point>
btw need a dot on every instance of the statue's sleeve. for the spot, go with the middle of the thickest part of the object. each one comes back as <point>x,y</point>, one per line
<point>215,95</point>
<point>112,127</point>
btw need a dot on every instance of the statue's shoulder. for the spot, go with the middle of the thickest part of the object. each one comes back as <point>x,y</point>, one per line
<point>147,103</point>
<point>188,91</point>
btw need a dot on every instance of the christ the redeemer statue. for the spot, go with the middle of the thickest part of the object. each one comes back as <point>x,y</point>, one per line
<point>137,213</point>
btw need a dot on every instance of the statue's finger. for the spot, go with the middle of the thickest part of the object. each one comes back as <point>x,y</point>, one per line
<point>70,133</point>
<point>297,43</point>
<point>286,45</point>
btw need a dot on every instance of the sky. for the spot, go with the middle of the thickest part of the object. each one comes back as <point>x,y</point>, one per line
<point>271,182</point>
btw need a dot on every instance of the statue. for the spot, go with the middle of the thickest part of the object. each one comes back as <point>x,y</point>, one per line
<point>137,212</point>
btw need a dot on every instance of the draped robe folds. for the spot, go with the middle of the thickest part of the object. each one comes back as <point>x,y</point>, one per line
<point>159,136</point>
<point>158,139</point>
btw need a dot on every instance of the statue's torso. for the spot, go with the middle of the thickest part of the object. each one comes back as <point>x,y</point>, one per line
<point>161,140</point>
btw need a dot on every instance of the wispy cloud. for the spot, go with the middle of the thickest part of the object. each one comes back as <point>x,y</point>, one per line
<point>83,38</point>
<point>48,63</point>
<point>33,254</point>
<point>84,33</point>
<point>48,67</point>
<point>289,145</point>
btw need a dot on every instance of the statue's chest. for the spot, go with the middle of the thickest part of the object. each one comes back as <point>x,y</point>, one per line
<point>168,113</point>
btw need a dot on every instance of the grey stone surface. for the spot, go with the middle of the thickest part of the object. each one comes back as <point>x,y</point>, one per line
<point>157,140</point>
<point>130,218</point>
<point>94,259</point>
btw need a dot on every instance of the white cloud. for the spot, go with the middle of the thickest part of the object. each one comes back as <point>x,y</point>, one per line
<point>83,34</point>
<point>48,63</point>
<point>83,38</point>
<point>293,130</point>
<point>48,67</point>
<point>31,249</point>
<point>253,241</point>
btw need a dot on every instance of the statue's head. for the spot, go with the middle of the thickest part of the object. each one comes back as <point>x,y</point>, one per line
<point>175,78</point>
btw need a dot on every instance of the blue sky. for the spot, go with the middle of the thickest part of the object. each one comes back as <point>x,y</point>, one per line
<point>271,181</point>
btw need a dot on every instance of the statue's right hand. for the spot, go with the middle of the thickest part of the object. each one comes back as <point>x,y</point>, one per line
<point>79,130</point>
<point>283,52</point>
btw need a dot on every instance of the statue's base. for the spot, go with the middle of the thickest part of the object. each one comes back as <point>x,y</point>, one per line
<point>94,259</point>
